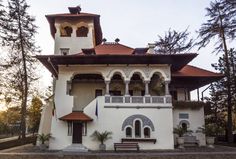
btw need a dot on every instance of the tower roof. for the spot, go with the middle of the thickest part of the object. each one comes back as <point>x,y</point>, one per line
<point>76,15</point>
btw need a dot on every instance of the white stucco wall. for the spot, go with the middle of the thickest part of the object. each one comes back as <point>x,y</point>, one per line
<point>85,93</point>
<point>111,119</point>
<point>64,104</point>
<point>75,44</point>
<point>196,119</point>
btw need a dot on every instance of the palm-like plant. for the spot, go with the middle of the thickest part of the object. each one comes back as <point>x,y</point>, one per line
<point>179,131</point>
<point>101,137</point>
<point>44,137</point>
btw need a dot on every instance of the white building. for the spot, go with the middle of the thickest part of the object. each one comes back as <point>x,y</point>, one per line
<point>136,94</point>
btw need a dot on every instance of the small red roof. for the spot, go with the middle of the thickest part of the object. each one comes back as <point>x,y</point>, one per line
<point>192,71</point>
<point>113,48</point>
<point>76,116</point>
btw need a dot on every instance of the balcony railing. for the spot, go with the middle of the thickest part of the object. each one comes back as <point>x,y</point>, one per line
<point>139,99</point>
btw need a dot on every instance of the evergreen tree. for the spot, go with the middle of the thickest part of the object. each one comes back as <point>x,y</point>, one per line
<point>174,42</point>
<point>219,27</point>
<point>34,113</point>
<point>18,37</point>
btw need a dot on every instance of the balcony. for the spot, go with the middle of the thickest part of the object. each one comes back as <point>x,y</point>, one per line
<point>138,102</point>
<point>188,104</point>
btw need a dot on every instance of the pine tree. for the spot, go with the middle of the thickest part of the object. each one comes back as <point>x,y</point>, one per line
<point>219,26</point>
<point>174,42</point>
<point>18,37</point>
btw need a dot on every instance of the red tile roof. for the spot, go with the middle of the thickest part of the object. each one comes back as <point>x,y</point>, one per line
<point>192,71</point>
<point>113,48</point>
<point>76,116</point>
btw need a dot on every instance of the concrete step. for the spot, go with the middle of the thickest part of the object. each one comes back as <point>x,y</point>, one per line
<point>75,148</point>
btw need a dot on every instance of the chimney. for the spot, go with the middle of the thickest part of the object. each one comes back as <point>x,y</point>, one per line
<point>74,10</point>
<point>151,47</point>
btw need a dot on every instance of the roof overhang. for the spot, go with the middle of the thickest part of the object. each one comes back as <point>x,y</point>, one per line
<point>96,18</point>
<point>192,77</point>
<point>176,61</point>
<point>76,116</point>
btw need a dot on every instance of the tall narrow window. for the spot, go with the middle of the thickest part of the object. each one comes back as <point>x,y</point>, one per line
<point>82,32</point>
<point>128,132</point>
<point>137,127</point>
<point>146,132</point>
<point>70,128</point>
<point>84,129</point>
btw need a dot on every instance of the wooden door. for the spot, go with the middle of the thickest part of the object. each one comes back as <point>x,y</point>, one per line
<point>77,132</point>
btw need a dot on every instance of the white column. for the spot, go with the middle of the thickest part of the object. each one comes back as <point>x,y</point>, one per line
<point>107,87</point>
<point>147,88</point>
<point>167,92</point>
<point>127,88</point>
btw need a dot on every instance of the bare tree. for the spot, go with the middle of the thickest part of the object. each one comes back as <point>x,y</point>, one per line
<point>174,42</point>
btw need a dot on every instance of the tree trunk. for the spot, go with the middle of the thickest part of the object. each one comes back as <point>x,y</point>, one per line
<point>25,80</point>
<point>229,96</point>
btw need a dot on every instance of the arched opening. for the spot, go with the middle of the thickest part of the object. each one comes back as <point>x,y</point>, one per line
<point>82,31</point>
<point>85,88</point>
<point>117,85</point>
<point>128,132</point>
<point>156,85</point>
<point>184,126</point>
<point>136,85</point>
<point>66,31</point>
<point>137,128</point>
<point>147,132</point>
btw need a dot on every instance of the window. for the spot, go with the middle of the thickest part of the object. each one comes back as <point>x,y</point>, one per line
<point>64,51</point>
<point>70,130</point>
<point>137,128</point>
<point>82,32</point>
<point>128,132</point>
<point>84,129</point>
<point>66,31</point>
<point>183,116</point>
<point>146,132</point>
<point>98,92</point>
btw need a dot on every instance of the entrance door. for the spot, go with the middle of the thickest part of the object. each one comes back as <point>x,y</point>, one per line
<point>77,132</point>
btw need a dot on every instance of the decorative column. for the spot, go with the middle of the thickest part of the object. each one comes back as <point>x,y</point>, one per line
<point>147,88</point>
<point>127,88</point>
<point>167,92</point>
<point>107,88</point>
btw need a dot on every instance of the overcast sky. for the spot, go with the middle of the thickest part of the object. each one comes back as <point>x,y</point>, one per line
<point>135,22</point>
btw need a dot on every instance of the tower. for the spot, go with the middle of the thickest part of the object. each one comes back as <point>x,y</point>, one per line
<point>74,31</point>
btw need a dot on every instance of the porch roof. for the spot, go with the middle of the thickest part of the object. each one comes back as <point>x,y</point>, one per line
<point>192,77</point>
<point>76,116</point>
<point>177,61</point>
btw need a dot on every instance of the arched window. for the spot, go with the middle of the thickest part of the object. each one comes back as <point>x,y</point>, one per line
<point>66,31</point>
<point>147,132</point>
<point>137,128</point>
<point>128,132</point>
<point>82,31</point>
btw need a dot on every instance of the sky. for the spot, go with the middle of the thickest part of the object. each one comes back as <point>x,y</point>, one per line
<point>135,22</point>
